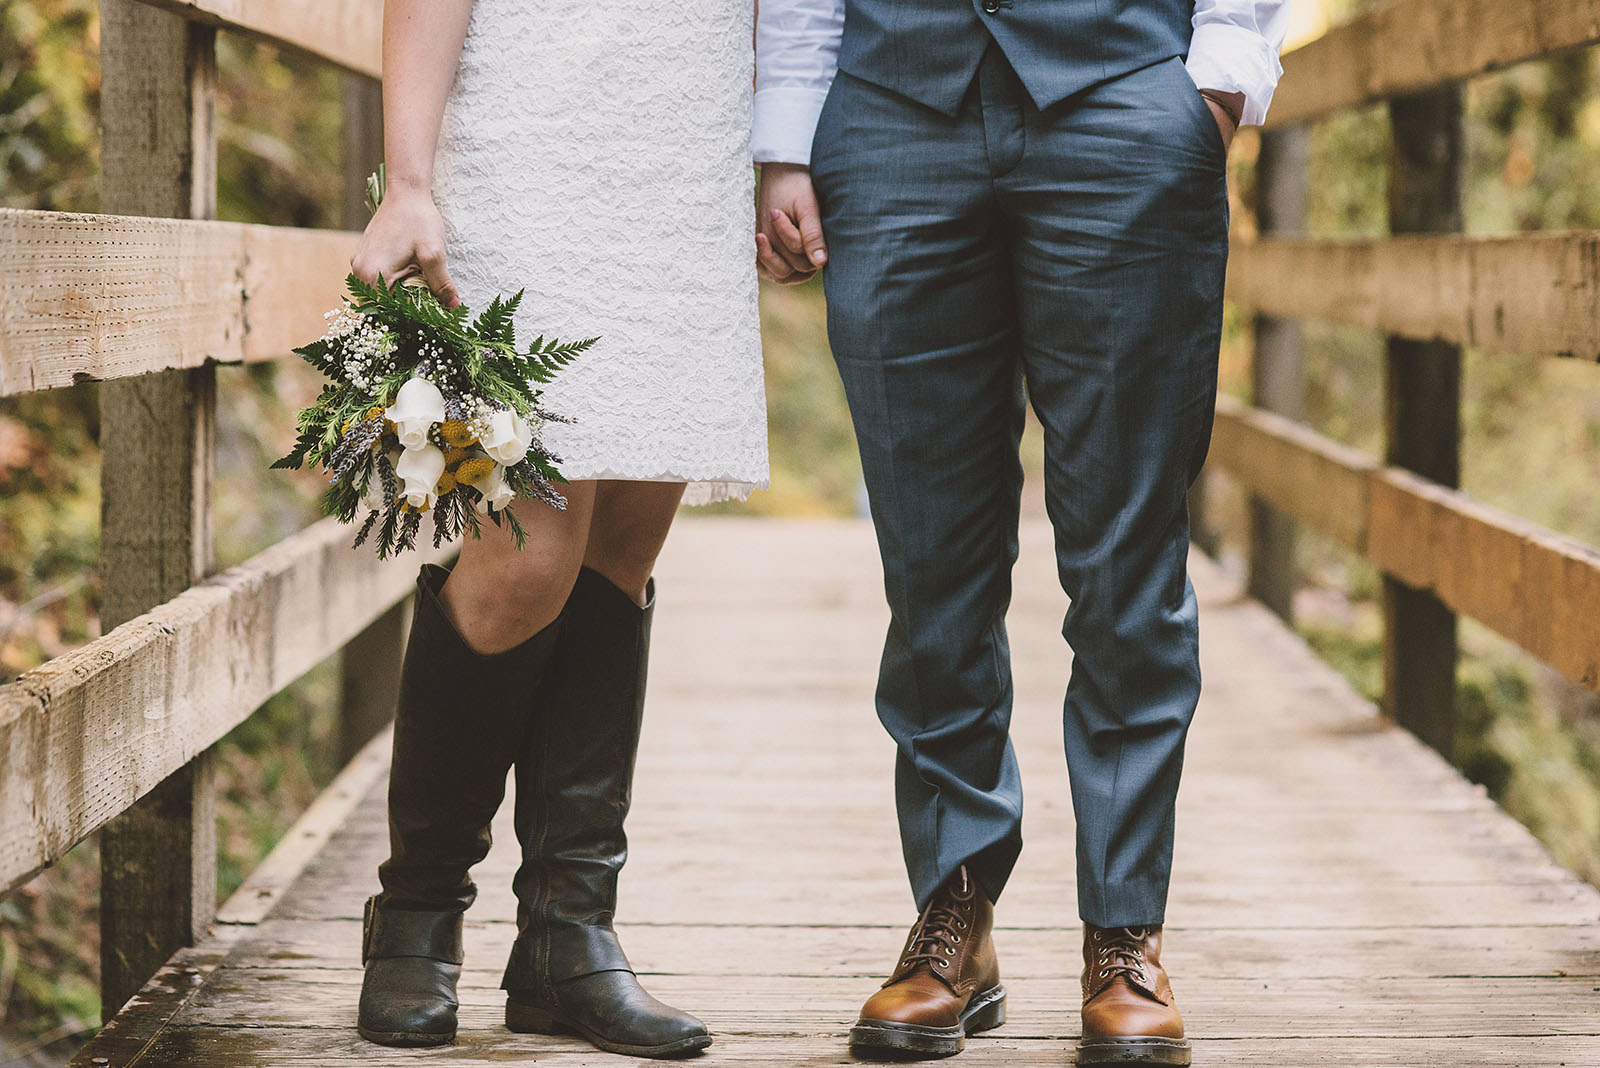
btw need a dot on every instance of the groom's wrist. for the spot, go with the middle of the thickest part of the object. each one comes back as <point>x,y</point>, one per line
<point>1232,103</point>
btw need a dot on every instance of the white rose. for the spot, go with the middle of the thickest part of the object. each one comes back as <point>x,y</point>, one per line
<point>508,438</point>
<point>419,471</point>
<point>373,498</point>
<point>416,408</point>
<point>496,494</point>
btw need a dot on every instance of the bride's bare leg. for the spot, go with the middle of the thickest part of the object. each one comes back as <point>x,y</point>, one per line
<point>499,596</point>
<point>629,526</point>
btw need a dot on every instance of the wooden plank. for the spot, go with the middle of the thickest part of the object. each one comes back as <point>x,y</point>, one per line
<point>1277,381</point>
<point>320,1000</point>
<point>100,297</point>
<point>1291,467</point>
<point>346,32</point>
<point>1406,46</point>
<point>1531,585</point>
<point>1529,293</point>
<point>1273,954</point>
<point>1526,582</point>
<point>1422,415</point>
<point>158,860</point>
<point>822,1046</point>
<point>1339,891</point>
<point>86,734</point>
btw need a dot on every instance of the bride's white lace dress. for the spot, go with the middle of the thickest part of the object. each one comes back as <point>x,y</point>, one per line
<point>599,155</point>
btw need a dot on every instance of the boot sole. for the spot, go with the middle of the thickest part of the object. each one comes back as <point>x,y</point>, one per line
<point>985,1012</point>
<point>406,1038</point>
<point>525,1020</point>
<point>1134,1050</point>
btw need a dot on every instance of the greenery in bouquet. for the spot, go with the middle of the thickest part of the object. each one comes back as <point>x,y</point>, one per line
<point>428,412</point>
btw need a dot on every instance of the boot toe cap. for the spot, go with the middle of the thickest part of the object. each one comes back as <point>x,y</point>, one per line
<point>408,1001</point>
<point>908,1002</point>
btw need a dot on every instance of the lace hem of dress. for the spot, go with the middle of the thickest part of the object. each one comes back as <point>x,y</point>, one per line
<point>700,491</point>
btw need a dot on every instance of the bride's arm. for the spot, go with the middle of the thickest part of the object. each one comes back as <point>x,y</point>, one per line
<point>421,50</point>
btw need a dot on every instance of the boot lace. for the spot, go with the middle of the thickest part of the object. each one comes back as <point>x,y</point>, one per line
<point>938,933</point>
<point>936,938</point>
<point>1122,954</point>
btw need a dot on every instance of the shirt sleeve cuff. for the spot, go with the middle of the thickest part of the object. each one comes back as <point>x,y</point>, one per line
<point>785,117</point>
<point>1233,59</point>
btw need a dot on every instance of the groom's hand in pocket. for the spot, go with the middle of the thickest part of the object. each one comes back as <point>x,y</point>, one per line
<point>789,245</point>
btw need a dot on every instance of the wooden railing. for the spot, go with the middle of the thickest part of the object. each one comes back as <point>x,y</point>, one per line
<point>148,299</point>
<point>1431,290</point>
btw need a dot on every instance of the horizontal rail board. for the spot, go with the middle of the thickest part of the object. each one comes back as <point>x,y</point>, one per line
<point>85,735</point>
<point>1532,293</point>
<point>1528,583</point>
<point>1410,45</point>
<point>94,297</point>
<point>346,32</point>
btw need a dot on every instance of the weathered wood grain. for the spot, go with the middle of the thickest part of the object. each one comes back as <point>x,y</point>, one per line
<point>1296,470</point>
<point>1338,890</point>
<point>1422,414</point>
<point>158,860</point>
<point>100,297</point>
<point>1528,583</point>
<point>1406,46</point>
<point>823,1047</point>
<point>841,951</point>
<point>345,32</point>
<point>1530,293</point>
<point>86,734</point>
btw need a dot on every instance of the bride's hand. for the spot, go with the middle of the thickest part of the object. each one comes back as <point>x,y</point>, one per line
<point>406,233</point>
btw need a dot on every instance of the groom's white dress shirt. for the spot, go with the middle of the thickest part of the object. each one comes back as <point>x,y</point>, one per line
<point>1234,49</point>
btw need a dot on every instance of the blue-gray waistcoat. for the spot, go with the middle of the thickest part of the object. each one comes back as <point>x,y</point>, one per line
<point>928,50</point>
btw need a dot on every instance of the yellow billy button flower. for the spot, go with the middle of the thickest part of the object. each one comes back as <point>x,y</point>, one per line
<point>446,483</point>
<point>456,432</point>
<point>473,471</point>
<point>455,456</point>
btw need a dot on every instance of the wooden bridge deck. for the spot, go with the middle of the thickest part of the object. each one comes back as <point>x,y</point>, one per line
<point>1341,897</point>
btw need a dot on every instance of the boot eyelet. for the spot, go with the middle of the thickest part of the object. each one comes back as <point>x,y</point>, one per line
<point>956,939</point>
<point>949,951</point>
<point>942,964</point>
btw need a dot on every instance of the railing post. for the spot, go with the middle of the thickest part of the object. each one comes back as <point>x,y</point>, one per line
<point>370,663</point>
<point>158,860</point>
<point>1277,380</point>
<point>1422,400</point>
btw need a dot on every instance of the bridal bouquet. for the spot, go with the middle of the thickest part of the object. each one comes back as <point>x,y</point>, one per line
<point>427,412</point>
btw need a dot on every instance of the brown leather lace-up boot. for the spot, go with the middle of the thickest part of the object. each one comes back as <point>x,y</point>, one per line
<point>947,984</point>
<point>1128,1013</point>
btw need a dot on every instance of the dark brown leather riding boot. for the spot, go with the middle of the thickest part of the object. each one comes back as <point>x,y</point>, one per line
<point>461,719</point>
<point>1128,1013</point>
<point>947,984</point>
<point>574,783</point>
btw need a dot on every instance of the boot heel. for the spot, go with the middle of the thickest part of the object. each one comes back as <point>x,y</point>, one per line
<point>532,1020</point>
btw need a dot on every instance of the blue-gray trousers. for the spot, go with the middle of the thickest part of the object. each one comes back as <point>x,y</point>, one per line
<point>1073,257</point>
